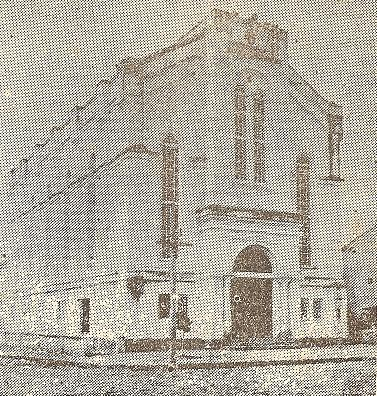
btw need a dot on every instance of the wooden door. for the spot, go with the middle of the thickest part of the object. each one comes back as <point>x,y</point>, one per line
<point>251,305</point>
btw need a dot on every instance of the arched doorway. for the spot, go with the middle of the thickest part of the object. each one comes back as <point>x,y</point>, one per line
<point>251,297</point>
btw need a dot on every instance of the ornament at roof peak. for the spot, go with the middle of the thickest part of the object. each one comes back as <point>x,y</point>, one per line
<point>170,139</point>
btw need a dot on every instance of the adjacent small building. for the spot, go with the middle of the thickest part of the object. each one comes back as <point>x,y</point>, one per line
<point>360,275</point>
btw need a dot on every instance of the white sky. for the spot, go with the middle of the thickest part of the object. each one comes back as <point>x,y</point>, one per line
<point>53,52</point>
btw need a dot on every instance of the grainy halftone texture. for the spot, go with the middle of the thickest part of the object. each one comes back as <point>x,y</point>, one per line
<point>212,162</point>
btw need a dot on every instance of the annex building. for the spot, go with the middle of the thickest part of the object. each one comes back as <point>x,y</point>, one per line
<point>212,157</point>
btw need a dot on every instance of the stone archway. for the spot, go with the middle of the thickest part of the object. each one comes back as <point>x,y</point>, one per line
<point>251,296</point>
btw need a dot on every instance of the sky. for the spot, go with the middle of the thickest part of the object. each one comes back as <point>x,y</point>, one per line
<point>52,53</point>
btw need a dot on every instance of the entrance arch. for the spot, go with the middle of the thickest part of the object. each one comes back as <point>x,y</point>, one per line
<point>251,296</point>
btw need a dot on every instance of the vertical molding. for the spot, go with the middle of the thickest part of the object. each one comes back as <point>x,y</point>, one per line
<point>142,137</point>
<point>170,198</point>
<point>67,220</point>
<point>240,133</point>
<point>170,230</point>
<point>303,208</point>
<point>91,211</point>
<point>335,136</point>
<point>258,138</point>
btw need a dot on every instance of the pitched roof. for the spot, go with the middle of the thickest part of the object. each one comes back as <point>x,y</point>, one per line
<point>247,37</point>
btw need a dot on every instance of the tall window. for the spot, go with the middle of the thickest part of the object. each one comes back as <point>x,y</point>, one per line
<point>59,310</point>
<point>303,208</point>
<point>164,306</point>
<point>304,308</point>
<point>338,312</point>
<point>170,231</point>
<point>240,135</point>
<point>183,321</point>
<point>183,304</point>
<point>317,308</point>
<point>258,115</point>
<point>335,137</point>
<point>84,314</point>
<point>258,137</point>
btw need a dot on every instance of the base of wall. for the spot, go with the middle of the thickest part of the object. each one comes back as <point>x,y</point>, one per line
<point>91,346</point>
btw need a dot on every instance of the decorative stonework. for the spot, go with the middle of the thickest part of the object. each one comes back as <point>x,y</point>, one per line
<point>263,41</point>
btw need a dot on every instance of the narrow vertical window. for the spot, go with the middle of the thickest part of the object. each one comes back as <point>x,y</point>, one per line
<point>84,314</point>
<point>183,319</point>
<point>303,208</point>
<point>240,135</point>
<point>163,306</point>
<point>304,308</point>
<point>338,313</point>
<point>258,137</point>
<point>183,305</point>
<point>170,231</point>
<point>317,308</point>
<point>59,310</point>
<point>335,137</point>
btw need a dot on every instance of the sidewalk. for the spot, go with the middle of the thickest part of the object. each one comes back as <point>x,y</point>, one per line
<point>202,358</point>
<point>234,358</point>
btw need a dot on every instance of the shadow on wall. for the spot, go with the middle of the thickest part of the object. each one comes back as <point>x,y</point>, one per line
<point>363,326</point>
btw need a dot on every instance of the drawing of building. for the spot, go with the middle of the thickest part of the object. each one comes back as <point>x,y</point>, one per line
<point>212,153</point>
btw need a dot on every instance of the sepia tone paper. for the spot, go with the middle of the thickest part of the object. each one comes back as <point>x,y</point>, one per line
<point>188,198</point>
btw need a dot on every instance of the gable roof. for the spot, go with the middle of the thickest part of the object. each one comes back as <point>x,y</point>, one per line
<point>248,38</point>
<point>244,31</point>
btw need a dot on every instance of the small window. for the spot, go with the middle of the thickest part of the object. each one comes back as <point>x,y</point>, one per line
<point>163,306</point>
<point>183,322</point>
<point>59,310</point>
<point>304,308</point>
<point>317,308</point>
<point>183,305</point>
<point>338,313</point>
<point>84,314</point>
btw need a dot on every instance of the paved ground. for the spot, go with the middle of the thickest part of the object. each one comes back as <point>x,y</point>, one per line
<point>33,379</point>
<point>205,358</point>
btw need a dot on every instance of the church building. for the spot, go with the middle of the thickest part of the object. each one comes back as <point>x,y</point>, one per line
<point>205,176</point>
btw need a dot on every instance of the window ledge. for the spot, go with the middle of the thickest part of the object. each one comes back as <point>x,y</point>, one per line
<point>332,178</point>
<point>246,183</point>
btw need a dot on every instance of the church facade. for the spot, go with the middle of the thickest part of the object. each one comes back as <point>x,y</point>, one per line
<point>204,176</point>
